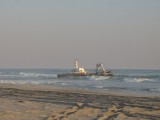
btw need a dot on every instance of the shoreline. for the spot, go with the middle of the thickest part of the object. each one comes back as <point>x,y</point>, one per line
<point>73,90</point>
<point>48,103</point>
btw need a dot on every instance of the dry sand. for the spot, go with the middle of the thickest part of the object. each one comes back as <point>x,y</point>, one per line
<point>26,102</point>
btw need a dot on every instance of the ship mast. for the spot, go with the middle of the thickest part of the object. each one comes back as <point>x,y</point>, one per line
<point>103,69</point>
<point>76,64</point>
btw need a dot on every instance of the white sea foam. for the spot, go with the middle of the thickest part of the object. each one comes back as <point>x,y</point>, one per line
<point>99,77</point>
<point>155,89</point>
<point>21,82</point>
<point>99,86</point>
<point>7,75</point>
<point>137,80</point>
<point>12,82</point>
<point>35,75</point>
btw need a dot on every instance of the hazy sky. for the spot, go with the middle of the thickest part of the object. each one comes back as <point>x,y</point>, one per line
<point>52,33</point>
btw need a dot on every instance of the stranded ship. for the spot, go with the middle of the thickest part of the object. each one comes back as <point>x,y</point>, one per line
<point>80,71</point>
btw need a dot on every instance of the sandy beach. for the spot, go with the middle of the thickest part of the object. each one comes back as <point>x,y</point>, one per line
<point>31,102</point>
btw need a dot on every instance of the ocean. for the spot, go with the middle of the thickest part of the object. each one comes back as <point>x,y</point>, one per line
<point>138,82</point>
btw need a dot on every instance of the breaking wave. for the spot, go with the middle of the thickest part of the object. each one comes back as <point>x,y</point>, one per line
<point>18,82</point>
<point>37,75</point>
<point>137,76</point>
<point>155,90</point>
<point>99,77</point>
<point>137,80</point>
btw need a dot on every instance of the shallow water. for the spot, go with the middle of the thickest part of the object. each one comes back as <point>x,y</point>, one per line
<point>145,82</point>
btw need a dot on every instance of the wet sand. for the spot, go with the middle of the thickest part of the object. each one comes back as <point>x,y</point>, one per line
<point>26,102</point>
